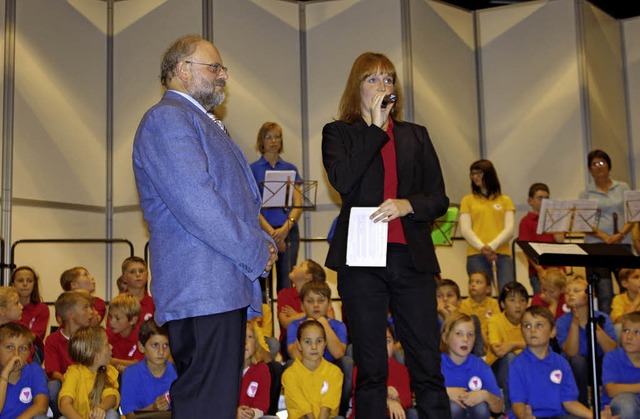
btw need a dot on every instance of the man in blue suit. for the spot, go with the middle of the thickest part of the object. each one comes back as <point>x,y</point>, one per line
<point>201,205</point>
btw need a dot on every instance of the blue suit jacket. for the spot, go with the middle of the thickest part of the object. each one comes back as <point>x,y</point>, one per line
<point>201,205</point>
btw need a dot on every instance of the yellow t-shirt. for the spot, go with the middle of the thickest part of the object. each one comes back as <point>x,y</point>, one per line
<point>308,391</point>
<point>484,310</point>
<point>78,382</point>
<point>487,219</point>
<point>620,306</point>
<point>500,329</point>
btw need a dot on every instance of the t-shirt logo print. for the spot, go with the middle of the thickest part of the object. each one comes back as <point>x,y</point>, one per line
<point>475,383</point>
<point>556,376</point>
<point>325,388</point>
<point>252,389</point>
<point>26,395</point>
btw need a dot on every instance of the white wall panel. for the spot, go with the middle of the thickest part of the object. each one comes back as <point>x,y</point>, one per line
<point>631,30</point>
<point>607,108</point>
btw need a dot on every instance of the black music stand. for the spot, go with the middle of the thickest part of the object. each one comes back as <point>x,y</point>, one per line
<point>597,255</point>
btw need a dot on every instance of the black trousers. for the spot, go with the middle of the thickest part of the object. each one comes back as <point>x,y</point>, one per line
<point>208,352</point>
<point>367,294</point>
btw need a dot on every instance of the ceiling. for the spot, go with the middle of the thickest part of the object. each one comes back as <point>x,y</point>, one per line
<point>619,9</point>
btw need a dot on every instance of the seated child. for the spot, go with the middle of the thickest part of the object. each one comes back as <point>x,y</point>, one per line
<point>289,303</point>
<point>10,307</point>
<point>79,279</point>
<point>449,302</point>
<point>572,334</point>
<point>312,385</point>
<point>398,385</point>
<point>135,275</point>
<point>629,300</point>
<point>256,381</point>
<point>471,385</point>
<point>90,386</point>
<point>552,295</point>
<point>480,303</point>
<point>540,379</point>
<point>316,299</point>
<point>145,385</point>
<point>621,371</point>
<point>528,231</point>
<point>505,334</point>
<point>124,312</point>
<point>74,309</point>
<point>23,386</point>
<point>35,314</point>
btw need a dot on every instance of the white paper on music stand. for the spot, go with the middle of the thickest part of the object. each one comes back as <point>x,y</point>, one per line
<point>556,215</point>
<point>631,206</point>
<point>562,249</point>
<point>584,219</point>
<point>278,188</point>
<point>366,240</point>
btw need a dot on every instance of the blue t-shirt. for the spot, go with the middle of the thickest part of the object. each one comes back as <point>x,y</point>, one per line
<point>618,368</point>
<point>274,216</point>
<point>564,323</point>
<point>473,374</point>
<point>32,382</point>
<point>544,384</point>
<point>338,327</point>
<point>141,389</point>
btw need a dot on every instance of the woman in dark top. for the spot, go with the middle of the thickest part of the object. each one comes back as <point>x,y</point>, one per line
<point>374,159</point>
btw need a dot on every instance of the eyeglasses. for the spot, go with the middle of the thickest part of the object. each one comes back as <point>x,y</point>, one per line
<point>215,67</point>
<point>273,137</point>
<point>598,163</point>
<point>476,173</point>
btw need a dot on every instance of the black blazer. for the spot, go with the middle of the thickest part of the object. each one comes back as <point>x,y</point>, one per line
<point>352,159</point>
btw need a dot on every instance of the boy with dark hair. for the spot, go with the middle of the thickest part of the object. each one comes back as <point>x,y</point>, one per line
<point>540,381</point>
<point>145,385</point>
<point>23,386</point>
<point>528,227</point>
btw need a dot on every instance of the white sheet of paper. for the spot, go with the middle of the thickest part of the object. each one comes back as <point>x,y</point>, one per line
<point>366,240</point>
<point>555,215</point>
<point>563,249</point>
<point>278,188</point>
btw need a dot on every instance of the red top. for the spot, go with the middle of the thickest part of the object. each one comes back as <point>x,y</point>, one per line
<point>398,377</point>
<point>125,347</point>
<point>561,309</point>
<point>99,306</point>
<point>36,318</point>
<point>147,308</point>
<point>288,297</point>
<point>527,232</point>
<point>396,234</point>
<point>56,354</point>
<point>255,388</point>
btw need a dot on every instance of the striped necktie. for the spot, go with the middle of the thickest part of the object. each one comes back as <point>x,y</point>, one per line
<point>217,122</point>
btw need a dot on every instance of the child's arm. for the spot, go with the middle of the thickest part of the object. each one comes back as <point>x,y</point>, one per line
<point>455,393</point>
<point>293,350</point>
<point>121,364</point>
<point>503,348</point>
<point>66,408</point>
<point>615,389</point>
<point>100,411</point>
<point>473,398</point>
<point>336,347</point>
<point>39,407</point>
<point>287,315</point>
<point>4,379</point>
<point>522,411</point>
<point>325,413</point>
<point>576,408</point>
<point>571,346</point>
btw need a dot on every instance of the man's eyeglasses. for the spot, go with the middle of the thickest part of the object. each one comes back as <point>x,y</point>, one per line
<point>215,67</point>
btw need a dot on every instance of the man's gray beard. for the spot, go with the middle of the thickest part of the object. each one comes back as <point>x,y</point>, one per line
<point>209,100</point>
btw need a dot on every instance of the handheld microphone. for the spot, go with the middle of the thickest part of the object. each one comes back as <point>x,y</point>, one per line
<point>390,98</point>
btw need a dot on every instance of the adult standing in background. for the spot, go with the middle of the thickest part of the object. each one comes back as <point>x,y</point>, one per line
<point>201,204</point>
<point>280,223</point>
<point>487,223</point>
<point>374,159</point>
<point>611,228</point>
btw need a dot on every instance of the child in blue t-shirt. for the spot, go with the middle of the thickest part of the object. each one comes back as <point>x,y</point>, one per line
<point>621,371</point>
<point>23,385</point>
<point>316,299</point>
<point>145,385</point>
<point>471,386</point>
<point>572,334</point>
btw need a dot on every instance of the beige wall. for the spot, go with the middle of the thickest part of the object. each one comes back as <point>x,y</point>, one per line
<point>530,99</point>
